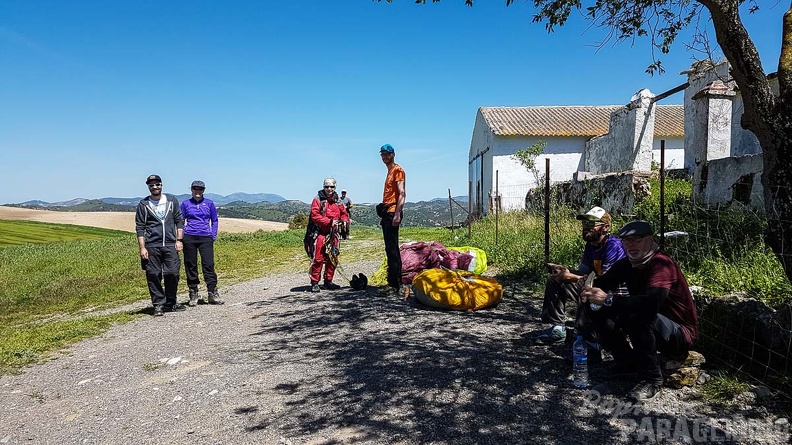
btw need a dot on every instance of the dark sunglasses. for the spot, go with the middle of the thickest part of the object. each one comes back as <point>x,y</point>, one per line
<point>158,184</point>
<point>199,188</point>
<point>329,186</point>
<point>592,224</point>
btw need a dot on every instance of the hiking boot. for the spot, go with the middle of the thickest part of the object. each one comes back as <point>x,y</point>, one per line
<point>158,310</point>
<point>315,287</point>
<point>644,391</point>
<point>214,298</point>
<point>553,336</point>
<point>387,291</point>
<point>193,296</point>
<point>176,307</point>
<point>329,285</point>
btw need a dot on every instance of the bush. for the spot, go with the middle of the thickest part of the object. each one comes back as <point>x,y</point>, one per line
<point>298,221</point>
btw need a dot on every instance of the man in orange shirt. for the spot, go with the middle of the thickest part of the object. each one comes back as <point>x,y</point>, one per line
<point>390,212</point>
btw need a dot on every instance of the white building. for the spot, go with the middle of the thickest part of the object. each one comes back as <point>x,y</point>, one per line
<point>573,134</point>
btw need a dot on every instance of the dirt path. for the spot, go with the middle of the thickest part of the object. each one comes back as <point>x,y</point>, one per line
<point>285,366</point>
<point>124,220</point>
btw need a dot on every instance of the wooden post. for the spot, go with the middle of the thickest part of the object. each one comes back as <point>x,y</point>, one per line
<point>451,209</point>
<point>470,208</point>
<point>547,212</point>
<point>662,193</point>
<point>497,206</point>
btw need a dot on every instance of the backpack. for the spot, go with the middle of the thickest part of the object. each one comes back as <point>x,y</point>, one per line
<point>312,230</point>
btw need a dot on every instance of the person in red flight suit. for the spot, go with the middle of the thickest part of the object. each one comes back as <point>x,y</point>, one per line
<point>327,213</point>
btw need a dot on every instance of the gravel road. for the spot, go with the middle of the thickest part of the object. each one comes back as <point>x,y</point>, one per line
<point>280,365</point>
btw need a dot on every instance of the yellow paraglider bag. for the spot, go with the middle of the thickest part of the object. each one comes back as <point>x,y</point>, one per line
<point>456,290</point>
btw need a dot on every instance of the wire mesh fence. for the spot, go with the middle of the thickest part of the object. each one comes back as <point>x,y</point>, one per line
<point>742,293</point>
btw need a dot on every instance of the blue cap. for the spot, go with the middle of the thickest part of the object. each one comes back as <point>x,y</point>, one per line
<point>198,184</point>
<point>387,148</point>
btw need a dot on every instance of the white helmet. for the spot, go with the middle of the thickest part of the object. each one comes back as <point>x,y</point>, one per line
<point>329,182</point>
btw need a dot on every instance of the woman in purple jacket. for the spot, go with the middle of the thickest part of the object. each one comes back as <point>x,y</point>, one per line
<point>200,232</point>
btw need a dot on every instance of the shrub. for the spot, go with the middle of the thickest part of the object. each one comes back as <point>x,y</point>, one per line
<point>298,221</point>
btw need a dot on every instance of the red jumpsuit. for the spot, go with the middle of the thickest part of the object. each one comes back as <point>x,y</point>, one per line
<point>332,211</point>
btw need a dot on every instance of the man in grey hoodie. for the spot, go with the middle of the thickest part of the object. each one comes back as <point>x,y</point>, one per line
<point>159,226</point>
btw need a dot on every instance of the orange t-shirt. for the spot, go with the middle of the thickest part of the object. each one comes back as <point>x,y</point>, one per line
<point>391,191</point>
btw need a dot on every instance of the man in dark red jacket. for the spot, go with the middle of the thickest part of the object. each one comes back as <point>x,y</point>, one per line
<point>327,214</point>
<point>658,315</point>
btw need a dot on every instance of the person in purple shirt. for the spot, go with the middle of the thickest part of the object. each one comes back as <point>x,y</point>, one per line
<point>200,233</point>
<point>601,252</point>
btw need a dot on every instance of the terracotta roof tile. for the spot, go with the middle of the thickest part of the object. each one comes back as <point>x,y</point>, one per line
<point>563,120</point>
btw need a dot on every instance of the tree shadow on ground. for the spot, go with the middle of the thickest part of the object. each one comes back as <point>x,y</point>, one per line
<point>364,368</point>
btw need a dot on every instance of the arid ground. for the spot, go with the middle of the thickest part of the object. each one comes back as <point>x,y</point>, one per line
<point>125,220</point>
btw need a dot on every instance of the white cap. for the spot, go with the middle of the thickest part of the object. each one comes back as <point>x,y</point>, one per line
<point>343,190</point>
<point>329,182</point>
<point>596,214</point>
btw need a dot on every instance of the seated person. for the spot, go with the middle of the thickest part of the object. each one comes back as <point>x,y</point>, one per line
<point>601,252</point>
<point>658,315</point>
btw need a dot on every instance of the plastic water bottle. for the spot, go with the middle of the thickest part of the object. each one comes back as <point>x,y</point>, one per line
<point>580,363</point>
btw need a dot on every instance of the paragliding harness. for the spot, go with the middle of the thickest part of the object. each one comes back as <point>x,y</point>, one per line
<point>312,230</point>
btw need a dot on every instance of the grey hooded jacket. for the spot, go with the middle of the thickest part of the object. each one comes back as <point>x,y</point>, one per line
<point>158,232</point>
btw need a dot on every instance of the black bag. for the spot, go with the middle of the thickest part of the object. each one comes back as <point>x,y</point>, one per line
<point>358,282</point>
<point>381,207</point>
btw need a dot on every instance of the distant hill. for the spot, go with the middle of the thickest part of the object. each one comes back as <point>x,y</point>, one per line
<point>44,204</point>
<point>433,213</point>
<point>83,205</point>
<point>251,198</point>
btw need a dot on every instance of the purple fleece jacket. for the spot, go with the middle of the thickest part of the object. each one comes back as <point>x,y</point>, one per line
<point>200,217</point>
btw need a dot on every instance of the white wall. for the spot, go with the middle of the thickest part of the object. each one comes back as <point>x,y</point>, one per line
<point>674,152</point>
<point>514,180</point>
<point>480,141</point>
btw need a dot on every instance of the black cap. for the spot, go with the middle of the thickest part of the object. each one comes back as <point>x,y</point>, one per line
<point>636,229</point>
<point>153,178</point>
<point>198,184</point>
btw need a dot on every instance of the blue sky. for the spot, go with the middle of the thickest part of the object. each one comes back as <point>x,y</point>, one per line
<point>273,96</point>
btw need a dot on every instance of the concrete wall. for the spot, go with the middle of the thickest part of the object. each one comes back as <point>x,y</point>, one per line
<point>731,180</point>
<point>725,159</point>
<point>630,139</point>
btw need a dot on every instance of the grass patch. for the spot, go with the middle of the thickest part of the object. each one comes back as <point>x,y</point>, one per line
<point>23,345</point>
<point>722,389</point>
<point>14,233</point>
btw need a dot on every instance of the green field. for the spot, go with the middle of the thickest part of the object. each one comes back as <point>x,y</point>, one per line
<point>28,232</point>
<point>49,290</point>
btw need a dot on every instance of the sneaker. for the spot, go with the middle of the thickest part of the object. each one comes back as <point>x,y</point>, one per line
<point>644,391</point>
<point>329,285</point>
<point>315,288</point>
<point>158,310</point>
<point>552,336</point>
<point>193,296</point>
<point>214,298</point>
<point>174,308</point>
